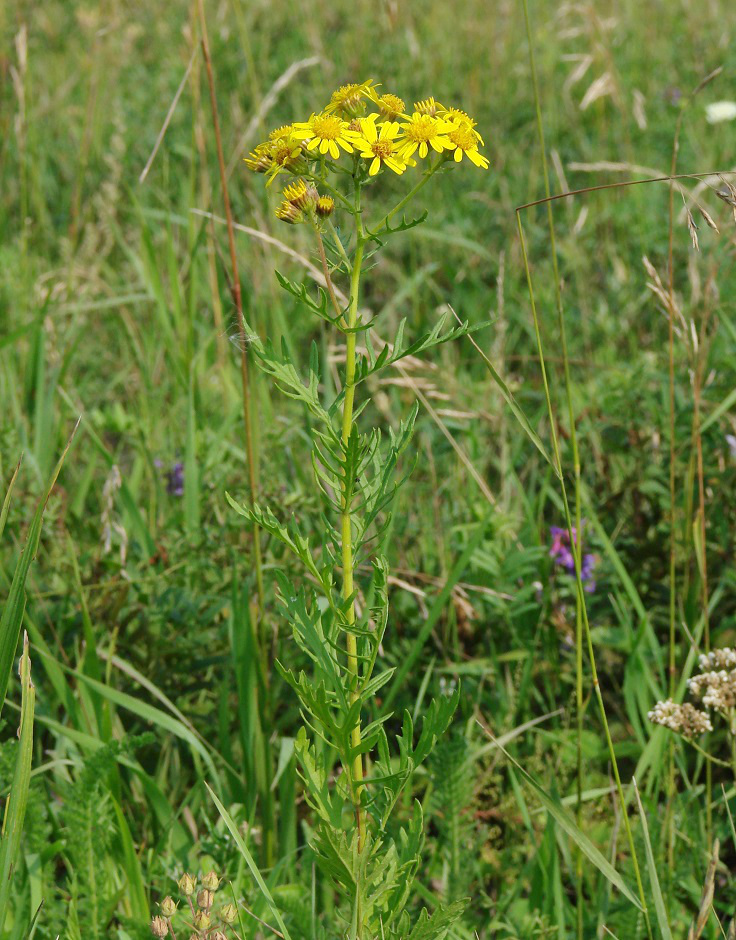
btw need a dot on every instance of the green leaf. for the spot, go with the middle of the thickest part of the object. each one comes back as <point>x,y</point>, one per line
<point>396,351</point>
<point>15,810</point>
<point>435,925</point>
<point>289,534</point>
<point>6,501</point>
<point>299,291</point>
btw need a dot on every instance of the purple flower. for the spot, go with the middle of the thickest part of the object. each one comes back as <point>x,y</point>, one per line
<point>561,552</point>
<point>175,479</point>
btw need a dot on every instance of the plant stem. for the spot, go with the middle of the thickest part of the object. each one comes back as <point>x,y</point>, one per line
<point>269,824</point>
<point>579,583</point>
<point>356,771</point>
<point>576,537</point>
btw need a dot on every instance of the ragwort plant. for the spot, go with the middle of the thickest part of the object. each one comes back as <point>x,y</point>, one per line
<point>331,162</point>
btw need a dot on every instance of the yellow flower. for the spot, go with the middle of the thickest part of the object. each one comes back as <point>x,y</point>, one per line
<point>286,151</point>
<point>465,141</point>
<point>390,106</point>
<point>423,131</point>
<point>458,117</point>
<point>379,146</point>
<point>324,132</point>
<point>284,131</point>
<point>429,106</point>
<point>260,160</point>
<point>349,98</point>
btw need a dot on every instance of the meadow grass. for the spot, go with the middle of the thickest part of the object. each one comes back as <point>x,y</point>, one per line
<point>163,739</point>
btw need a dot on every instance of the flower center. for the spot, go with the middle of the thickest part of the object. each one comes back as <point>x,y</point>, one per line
<point>327,127</point>
<point>283,153</point>
<point>421,129</point>
<point>382,148</point>
<point>463,137</point>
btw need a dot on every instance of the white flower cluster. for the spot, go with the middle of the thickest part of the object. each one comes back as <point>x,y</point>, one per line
<point>684,719</point>
<point>716,685</point>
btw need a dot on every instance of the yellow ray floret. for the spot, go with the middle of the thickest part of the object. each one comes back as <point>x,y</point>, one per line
<point>324,132</point>
<point>423,131</point>
<point>465,142</point>
<point>378,144</point>
<point>429,106</point>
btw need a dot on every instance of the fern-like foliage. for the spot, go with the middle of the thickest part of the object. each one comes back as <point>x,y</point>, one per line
<point>453,785</point>
<point>89,836</point>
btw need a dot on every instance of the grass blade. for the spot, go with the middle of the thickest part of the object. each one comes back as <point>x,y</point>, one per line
<point>659,905</point>
<point>12,617</point>
<point>567,823</point>
<point>235,833</point>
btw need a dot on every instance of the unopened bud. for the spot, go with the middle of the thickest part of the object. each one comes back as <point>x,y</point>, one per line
<point>187,884</point>
<point>205,899</point>
<point>211,881</point>
<point>288,212</point>
<point>229,913</point>
<point>325,206</point>
<point>168,907</point>
<point>159,927</point>
<point>202,920</point>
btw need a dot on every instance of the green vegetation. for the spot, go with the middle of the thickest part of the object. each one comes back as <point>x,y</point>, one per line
<point>420,750</point>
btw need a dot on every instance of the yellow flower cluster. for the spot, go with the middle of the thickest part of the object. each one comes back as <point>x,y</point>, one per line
<point>388,136</point>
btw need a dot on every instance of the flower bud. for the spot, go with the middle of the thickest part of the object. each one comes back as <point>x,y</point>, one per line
<point>187,884</point>
<point>288,212</point>
<point>211,881</point>
<point>205,898</point>
<point>325,206</point>
<point>202,920</point>
<point>229,913</point>
<point>168,907</point>
<point>302,195</point>
<point>159,927</point>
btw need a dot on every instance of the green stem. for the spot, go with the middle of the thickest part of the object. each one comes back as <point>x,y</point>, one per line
<point>348,587</point>
<point>579,582</point>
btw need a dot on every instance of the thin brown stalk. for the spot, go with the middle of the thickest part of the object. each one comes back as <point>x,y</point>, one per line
<point>243,337</point>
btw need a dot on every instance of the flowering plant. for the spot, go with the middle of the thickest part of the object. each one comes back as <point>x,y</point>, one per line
<point>330,160</point>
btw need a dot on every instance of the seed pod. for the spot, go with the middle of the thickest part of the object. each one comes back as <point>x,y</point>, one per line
<point>205,898</point>
<point>202,920</point>
<point>229,913</point>
<point>168,907</point>
<point>211,881</point>
<point>187,884</point>
<point>159,927</point>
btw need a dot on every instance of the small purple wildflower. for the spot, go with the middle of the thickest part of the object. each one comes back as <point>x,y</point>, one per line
<point>175,479</point>
<point>562,554</point>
